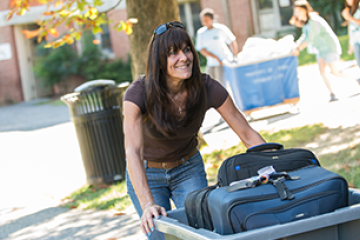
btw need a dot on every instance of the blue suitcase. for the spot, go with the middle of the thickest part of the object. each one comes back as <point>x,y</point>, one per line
<point>317,191</point>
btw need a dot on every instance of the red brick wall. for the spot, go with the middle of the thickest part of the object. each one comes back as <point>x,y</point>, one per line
<point>4,5</point>
<point>10,80</point>
<point>119,40</point>
<point>239,14</point>
<point>241,20</point>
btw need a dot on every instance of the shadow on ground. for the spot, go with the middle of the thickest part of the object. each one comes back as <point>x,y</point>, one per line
<point>61,223</point>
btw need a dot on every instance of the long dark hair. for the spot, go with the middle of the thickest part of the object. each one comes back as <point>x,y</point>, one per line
<point>354,7</point>
<point>157,101</point>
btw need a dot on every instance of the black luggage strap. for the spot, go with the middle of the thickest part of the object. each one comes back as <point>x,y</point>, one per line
<point>282,189</point>
<point>277,180</point>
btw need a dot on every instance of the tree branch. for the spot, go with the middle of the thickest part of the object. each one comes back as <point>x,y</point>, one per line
<point>113,7</point>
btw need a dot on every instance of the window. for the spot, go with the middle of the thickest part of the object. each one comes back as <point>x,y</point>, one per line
<point>265,4</point>
<point>286,11</point>
<point>105,41</point>
<point>189,15</point>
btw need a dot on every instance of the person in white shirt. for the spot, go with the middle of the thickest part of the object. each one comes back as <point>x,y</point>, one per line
<point>213,41</point>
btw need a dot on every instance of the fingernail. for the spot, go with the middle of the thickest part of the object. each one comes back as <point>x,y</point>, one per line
<point>149,234</point>
<point>157,217</point>
<point>152,229</point>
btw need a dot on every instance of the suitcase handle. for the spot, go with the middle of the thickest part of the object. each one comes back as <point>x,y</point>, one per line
<point>265,146</point>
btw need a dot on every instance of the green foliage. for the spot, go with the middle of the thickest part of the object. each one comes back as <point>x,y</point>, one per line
<point>202,59</point>
<point>331,10</point>
<point>93,65</point>
<point>56,65</point>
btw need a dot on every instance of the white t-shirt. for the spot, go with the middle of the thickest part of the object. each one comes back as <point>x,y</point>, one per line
<point>215,41</point>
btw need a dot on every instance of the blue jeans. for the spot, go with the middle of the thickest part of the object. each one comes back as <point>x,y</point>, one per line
<point>174,183</point>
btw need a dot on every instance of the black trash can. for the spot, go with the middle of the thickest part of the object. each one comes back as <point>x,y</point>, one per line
<point>96,111</point>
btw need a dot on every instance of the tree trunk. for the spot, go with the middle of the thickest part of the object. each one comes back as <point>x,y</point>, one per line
<point>150,14</point>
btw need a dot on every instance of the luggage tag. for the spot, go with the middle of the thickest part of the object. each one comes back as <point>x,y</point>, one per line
<point>262,178</point>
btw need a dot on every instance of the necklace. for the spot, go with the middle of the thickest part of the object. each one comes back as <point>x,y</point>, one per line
<point>177,104</point>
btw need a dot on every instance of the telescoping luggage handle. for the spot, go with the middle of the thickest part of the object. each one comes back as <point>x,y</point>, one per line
<point>265,146</point>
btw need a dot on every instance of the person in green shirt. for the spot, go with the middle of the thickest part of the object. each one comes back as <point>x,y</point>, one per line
<point>319,38</point>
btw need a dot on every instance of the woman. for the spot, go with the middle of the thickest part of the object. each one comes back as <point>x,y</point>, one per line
<point>351,13</point>
<point>318,36</point>
<point>163,112</point>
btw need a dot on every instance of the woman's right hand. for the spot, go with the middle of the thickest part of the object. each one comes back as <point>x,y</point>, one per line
<point>151,211</point>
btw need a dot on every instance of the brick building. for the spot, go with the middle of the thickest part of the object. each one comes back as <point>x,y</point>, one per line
<point>17,81</point>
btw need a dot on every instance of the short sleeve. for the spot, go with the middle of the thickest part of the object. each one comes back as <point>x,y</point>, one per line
<point>216,93</point>
<point>136,94</point>
<point>229,36</point>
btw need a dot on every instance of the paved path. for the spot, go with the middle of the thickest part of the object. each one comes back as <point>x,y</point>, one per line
<point>41,163</point>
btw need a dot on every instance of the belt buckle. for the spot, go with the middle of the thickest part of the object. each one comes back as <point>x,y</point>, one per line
<point>164,165</point>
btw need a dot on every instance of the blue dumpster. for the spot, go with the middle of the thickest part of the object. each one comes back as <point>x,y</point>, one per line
<point>263,83</point>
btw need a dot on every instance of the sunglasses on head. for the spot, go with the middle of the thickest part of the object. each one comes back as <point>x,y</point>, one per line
<point>164,27</point>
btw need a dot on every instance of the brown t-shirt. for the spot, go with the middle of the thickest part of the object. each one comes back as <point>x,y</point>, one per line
<point>156,146</point>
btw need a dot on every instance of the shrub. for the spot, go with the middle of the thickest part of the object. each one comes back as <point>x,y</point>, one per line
<point>56,65</point>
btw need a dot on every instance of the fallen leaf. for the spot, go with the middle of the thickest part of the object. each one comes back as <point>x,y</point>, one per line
<point>15,209</point>
<point>73,206</point>
<point>119,214</point>
<point>111,239</point>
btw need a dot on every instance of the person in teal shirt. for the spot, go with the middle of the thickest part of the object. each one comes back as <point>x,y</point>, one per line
<point>319,38</point>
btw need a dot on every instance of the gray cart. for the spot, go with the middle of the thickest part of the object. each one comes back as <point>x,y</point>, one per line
<point>342,224</point>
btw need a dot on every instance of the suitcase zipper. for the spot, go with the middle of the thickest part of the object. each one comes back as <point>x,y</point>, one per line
<point>273,196</point>
<point>291,204</point>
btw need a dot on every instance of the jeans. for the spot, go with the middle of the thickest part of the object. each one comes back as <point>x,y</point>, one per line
<point>174,183</point>
<point>357,53</point>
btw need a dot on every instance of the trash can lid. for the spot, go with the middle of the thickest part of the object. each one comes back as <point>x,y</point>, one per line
<point>91,85</point>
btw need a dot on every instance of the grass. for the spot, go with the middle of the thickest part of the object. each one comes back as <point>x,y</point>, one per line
<point>345,162</point>
<point>307,59</point>
<point>56,102</point>
<point>101,197</point>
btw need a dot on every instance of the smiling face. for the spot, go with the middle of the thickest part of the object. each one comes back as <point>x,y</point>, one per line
<point>180,63</point>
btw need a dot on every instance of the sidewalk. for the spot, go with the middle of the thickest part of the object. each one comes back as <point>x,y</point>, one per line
<point>41,163</point>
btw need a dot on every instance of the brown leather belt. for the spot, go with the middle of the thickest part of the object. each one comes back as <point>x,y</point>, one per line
<point>172,164</point>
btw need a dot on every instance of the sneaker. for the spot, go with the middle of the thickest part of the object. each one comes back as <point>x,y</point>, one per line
<point>333,97</point>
